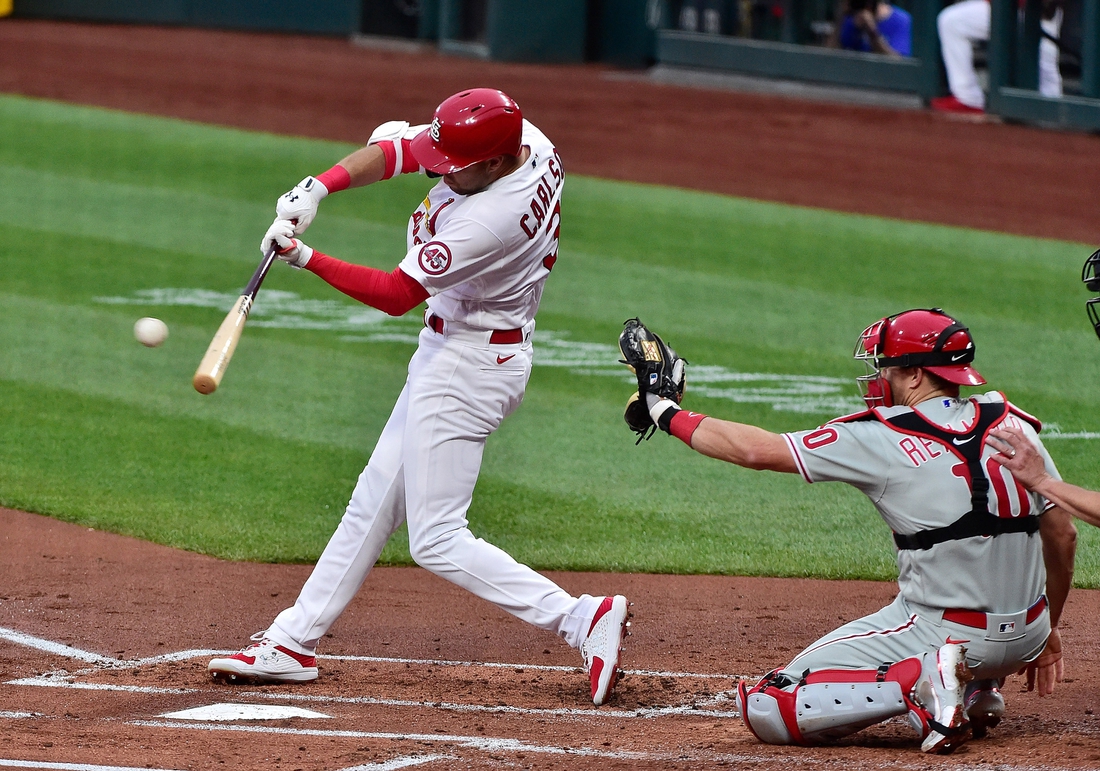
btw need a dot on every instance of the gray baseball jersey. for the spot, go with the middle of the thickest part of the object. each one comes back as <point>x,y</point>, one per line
<point>918,483</point>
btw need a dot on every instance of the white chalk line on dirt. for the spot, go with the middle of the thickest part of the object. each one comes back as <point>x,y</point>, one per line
<point>56,648</point>
<point>696,708</point>
<point>482,743</point>
<point>397,763</point>
<point>64,679</point>
<point>94,658</point>
<point>17,715</point>
<point>6,763</point>
<point>534,667</point>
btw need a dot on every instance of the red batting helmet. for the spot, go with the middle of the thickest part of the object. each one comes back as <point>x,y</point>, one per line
<point>469,127</point>
<point>929,339</point>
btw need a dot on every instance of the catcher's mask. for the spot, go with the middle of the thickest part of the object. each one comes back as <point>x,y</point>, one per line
<point>929,339</point>
<point>1090,274</point>
<point>467,128</point>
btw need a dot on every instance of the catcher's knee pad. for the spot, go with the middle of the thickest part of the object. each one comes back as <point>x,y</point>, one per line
<point>826,706</point>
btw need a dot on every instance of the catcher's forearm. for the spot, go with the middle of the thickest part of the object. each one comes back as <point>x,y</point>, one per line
<point>743,445</point>
<point>1059,550</point>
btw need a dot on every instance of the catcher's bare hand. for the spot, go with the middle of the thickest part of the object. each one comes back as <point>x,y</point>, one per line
<point>1048,669</point>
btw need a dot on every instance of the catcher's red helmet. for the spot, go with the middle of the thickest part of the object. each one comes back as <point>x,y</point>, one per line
<point>469,127</point>
<point>929,339</point>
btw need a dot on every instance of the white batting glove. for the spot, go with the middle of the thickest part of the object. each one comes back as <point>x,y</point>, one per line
<point>280,237</point>
<point>299,205</point>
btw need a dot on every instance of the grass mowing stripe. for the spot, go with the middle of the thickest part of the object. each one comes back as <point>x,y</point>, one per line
<point>132,208</point>
<point>172,220</point>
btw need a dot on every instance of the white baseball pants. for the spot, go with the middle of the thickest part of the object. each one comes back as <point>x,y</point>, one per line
<point>422,471</point>
<point>967,21</point>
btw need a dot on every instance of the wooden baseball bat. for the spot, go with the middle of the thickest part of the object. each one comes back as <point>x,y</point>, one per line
<point>213,365</point>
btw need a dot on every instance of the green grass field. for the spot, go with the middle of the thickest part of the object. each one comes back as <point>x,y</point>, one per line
<point>111,216</point>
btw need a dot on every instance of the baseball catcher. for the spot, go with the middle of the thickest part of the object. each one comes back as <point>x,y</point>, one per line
<point>984,565</point>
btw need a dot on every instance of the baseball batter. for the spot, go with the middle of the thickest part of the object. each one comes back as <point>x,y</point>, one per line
<point>480,247</point>
<point>984,566</point>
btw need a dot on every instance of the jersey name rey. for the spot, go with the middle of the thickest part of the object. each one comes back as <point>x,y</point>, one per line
<point>484,258</point>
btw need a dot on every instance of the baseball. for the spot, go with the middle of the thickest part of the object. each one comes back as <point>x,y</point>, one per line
<point>150,332</point>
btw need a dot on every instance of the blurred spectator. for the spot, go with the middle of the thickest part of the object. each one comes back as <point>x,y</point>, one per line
<point>873,26</point>
<point>968,21</point>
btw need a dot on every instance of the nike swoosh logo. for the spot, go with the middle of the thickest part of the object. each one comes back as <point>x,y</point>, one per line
<point>952,641</point>
<point>957,443</point>
<point>502,359</point>
<point>956,358</point>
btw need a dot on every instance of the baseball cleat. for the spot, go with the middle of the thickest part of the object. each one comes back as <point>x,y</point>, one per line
<point>984,706</point>
<point>264,662</point>
<point>942,693</point>
<point>602,646</point>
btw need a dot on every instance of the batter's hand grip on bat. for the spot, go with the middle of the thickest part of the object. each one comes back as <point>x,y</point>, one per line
<point>213,365</point>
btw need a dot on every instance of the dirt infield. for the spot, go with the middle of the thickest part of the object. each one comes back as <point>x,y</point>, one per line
<point>102,636</point>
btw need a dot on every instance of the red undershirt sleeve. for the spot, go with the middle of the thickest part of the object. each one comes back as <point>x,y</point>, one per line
<point>394,293</point>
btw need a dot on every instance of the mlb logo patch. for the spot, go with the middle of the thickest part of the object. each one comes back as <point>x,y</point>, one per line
<point>1009,626</point>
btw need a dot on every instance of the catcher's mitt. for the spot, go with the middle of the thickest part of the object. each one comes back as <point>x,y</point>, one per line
<point>658,369</point>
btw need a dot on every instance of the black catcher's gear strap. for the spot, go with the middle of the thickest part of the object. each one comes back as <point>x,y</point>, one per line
<point>979,520</point>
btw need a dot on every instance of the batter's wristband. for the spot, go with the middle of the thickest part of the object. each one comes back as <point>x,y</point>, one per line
<point>682,424</point>
<point>335,179</point>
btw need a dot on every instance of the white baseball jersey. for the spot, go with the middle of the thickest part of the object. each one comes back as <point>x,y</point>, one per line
<point>484,257</point>
<point>918,483</point>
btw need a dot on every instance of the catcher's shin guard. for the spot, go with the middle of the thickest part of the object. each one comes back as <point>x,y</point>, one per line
<point>822,707</point>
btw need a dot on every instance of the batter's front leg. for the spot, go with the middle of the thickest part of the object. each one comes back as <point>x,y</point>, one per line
<point>375,511</point>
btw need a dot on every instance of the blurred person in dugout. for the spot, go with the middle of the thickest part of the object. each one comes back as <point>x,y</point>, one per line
<point>872,26</point>
<point>965,22</point>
